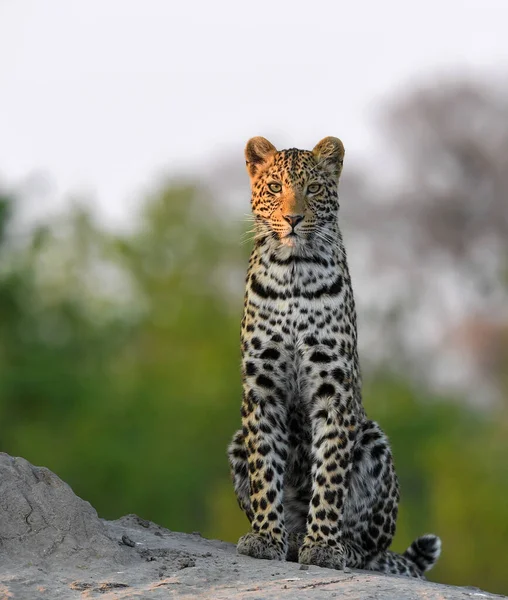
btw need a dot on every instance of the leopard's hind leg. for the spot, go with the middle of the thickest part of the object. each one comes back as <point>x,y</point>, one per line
<point>239,469</point>
<point>372,507</point>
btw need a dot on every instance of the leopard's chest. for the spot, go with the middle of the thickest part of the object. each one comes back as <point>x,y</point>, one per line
<point>289,310</point>
<point>289,300</point>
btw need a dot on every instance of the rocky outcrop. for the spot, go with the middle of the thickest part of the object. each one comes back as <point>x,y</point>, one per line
<point>53,545</point>
<point>41,519</point>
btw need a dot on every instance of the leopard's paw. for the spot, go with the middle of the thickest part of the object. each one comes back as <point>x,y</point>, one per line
<point>260,546</point>
<point>322,555</point>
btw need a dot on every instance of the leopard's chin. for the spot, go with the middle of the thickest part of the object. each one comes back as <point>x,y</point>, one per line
<point>292,240</point>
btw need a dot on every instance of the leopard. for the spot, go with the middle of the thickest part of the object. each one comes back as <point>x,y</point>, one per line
<point>314,476</point>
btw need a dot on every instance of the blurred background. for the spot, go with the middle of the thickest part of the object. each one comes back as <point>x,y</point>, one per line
<point>122,213</point>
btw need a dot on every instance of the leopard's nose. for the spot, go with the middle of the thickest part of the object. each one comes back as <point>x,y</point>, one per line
<point>293,220</point>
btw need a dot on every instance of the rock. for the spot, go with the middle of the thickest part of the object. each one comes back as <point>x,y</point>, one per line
<point>41,519</point>
<point>53,545</point>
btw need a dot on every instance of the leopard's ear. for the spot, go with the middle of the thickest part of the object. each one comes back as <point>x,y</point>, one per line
<point>329,153</point>
<point>257,153</point>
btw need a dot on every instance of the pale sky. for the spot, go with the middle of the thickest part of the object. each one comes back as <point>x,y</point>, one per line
<point>104,95</point>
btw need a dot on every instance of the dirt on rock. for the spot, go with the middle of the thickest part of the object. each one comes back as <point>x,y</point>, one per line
<point>54,546</point>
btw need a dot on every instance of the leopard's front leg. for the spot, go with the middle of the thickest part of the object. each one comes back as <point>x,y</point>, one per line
<point>264,430</point>
<point>334,425</point>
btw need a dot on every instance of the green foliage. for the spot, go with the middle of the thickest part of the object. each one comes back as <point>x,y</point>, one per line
<point>119,370</point>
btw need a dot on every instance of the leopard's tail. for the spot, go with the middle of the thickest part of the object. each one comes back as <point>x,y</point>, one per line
<point>424,552</point>
<point>421,556</point>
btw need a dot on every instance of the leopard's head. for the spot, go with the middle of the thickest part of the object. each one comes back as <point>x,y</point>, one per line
<point>294,192</point>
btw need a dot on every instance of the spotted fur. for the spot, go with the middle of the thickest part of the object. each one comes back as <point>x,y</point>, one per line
<point>314,476</point>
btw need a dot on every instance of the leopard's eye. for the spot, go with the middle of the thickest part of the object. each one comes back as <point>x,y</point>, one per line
<point>314,188</point>
<point>275,187</point>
